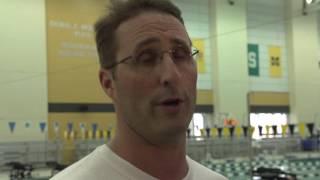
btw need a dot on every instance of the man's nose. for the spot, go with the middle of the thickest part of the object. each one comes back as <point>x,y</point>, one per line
<point>169,70</point>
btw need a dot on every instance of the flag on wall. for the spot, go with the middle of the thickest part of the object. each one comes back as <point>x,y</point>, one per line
<point>83,130</point>
<point>301,127</point>
<point>42,126</point>
<point>70,127</point>
<point>56,127</point>
<point>12,126</point>
<point>82,126</point>
<point>94,127</point>
<point>275,61</point>
<point>253,59</point>
<point>199,44</point>
<point>27,125</point>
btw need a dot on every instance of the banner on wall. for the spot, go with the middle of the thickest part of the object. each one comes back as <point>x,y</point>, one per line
<point>253,59</point>
<point>71,49</point>
<point>199,44</point>
<point>275,61</point>
<point>70,30</point>
<point>12,126</point>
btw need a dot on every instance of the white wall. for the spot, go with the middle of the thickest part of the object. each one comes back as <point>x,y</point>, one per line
<point>197,22</point>
<point>23,71</point>
<point>266,26</point>
<point>230,60</point>
<point>304,71</point>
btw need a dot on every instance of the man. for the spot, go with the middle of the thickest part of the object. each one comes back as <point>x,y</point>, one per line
<point>148,69</point>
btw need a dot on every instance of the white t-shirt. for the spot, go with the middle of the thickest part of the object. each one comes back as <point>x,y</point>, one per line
<point>103,164</point>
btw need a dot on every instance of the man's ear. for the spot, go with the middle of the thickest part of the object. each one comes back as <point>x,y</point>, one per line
<point>107,83</point>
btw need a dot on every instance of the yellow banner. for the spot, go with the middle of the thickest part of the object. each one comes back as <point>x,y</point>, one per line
<point>284,129</point>
<point>225,132</point>
<point>251,130</point>
<point>199,44</point>
<point>275,61</point>
<point>214,132</point>
<point>238,131</point>
<point>72,56</point>
<point>268,130</point>
<point>301,127</point>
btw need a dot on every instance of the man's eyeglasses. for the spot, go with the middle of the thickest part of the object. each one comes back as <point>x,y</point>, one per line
<point>150,57</point>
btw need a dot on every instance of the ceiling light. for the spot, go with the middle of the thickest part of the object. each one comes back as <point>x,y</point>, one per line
<point>309,1</point>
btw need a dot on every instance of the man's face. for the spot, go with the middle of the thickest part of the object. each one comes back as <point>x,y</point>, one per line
<point>155,101</point>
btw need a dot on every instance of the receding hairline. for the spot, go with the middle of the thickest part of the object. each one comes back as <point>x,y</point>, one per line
<point>144,12</point>
<point>118,13</point>
<point>152,11</point>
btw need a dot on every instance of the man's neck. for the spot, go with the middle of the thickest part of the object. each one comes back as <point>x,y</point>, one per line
<point>161,161</point>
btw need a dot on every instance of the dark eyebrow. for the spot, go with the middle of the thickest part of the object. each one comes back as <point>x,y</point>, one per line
<point>157,40</point>
<point>181,42</point>
<point>146,42</point>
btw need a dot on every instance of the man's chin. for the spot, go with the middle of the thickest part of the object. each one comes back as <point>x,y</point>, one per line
<point>172,138</point>
<point>177,131</point>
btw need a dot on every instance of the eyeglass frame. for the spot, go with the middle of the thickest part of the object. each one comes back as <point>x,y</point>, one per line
<point>194,51</point>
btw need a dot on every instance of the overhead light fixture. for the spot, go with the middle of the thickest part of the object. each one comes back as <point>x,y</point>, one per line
<point>231,2</point>
<point>310,6</point>
<point>309,1</point>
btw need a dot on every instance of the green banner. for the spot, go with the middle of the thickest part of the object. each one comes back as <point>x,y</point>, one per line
<point>253,59</point>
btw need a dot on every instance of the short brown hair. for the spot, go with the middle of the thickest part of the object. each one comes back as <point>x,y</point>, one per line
<point>120,11</point>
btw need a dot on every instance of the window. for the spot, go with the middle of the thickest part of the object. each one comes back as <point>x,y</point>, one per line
<point>267,119</point>
<point>196,124</point>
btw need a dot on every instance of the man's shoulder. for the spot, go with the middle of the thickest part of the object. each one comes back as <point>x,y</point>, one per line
<point>72,172</point>
<point>202,172</point>
<point>86,168</point>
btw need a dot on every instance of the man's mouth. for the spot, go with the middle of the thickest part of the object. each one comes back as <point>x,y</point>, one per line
<point>171,105</point>
<point>171,102</point>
